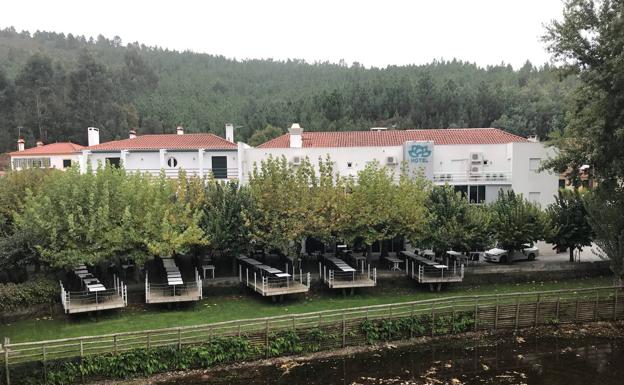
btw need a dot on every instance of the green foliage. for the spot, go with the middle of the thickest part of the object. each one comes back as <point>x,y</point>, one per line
<point>158,89</point>
<point>37,292</point>
<point>100,216</point>
<point>569,218</point>
<point>264,135</point>
<point>146,362</point>
<point>285,342</point>
<point>517,221</point>
<point>416,326</point>
<point>589,41</point>
<point>605,207</point>
<point>455,224</point>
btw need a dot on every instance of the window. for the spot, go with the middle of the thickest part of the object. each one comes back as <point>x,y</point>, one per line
<point>31,163</point>
<point>562,183</point>
<point>477,194</point>
<point>534,197</point>
<point>349,164</point>
<point>67,163</point>
<point>219,167</point>
<point>463,190</point>
<point>172,162</point>
<point>114,162</point>
<point>534,164</point>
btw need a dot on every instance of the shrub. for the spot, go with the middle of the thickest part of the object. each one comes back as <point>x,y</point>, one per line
<point>20,295</point>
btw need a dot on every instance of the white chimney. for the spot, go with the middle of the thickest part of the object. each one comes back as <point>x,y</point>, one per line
<point>533,138</point>
<point>296,136</point>
<point>20,144</point>
<point>93,136</point>
<point>132,134</point>
<point>229,132</point>
<point>180,130</point>
<point>39,143</point>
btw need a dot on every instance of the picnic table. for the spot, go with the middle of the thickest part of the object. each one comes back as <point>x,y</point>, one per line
<point>395,263</point>
<point>174,281</point>
<point>96,288</point>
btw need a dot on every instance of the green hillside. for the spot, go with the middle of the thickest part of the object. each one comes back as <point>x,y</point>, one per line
<point>55,85</point>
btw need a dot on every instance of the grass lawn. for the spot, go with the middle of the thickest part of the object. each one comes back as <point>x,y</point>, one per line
<point>223,308</point>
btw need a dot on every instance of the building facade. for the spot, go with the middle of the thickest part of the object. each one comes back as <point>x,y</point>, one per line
<point>54,155</point>
<point>196,154</point>
<point>478,162</point>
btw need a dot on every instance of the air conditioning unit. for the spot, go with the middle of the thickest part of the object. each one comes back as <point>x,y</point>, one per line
<point>391,160</point>
<point>296,160</point>
<point>476,169</point>
<point>476,157</point>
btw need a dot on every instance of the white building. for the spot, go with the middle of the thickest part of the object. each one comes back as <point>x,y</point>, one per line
<point>54,155</point>
<point>197,154</point>
<point>478,161</point>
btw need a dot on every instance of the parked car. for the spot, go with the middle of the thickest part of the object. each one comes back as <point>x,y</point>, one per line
<point>530,252</point>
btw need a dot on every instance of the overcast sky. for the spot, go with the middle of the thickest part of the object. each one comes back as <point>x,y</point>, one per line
<point>375,33</point>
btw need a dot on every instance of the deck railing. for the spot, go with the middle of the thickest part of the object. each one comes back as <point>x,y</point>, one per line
<point>193,288</point>
<point>330,275</point>
<point>426,274</point>
<point>265,284</point>
<point>73,301</point>
<point>488,312</point>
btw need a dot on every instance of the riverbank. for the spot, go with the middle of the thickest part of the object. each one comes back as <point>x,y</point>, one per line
<point>218,308</point>
<point>565,333</point>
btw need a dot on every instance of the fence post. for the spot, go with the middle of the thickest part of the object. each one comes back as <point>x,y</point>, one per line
<point>615,303</point>
<point>179,338</point>
<point>344,331</point>
<point>476,315</point>
<point>45,361</point>
<point>496,312</point>
<point>517,312</point>
<point>294,323</point>
<point>266,337</point>
<point>558,303</point>
<point>6,360</point>
<point>576,317</point>
<point>239,329</point>
<point>433,319</point>
<point>115,343</point>
<point>596,307</point>
<point>81,360</point>
<point>148,342</point>
<point>453,317</point>
<point>537,309</point>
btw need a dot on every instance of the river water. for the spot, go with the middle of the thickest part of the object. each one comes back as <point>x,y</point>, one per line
<point>588,361</point>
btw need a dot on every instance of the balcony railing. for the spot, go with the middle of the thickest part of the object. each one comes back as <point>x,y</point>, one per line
<point>218,173</point>
<point>483,177</point>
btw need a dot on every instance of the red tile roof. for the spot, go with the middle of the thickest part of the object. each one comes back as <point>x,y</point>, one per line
<point>167,141</point>
<point>398,137</point>
<point>61,148</point>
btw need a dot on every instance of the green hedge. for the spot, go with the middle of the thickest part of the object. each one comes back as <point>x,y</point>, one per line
<point>22,295</point>
<point>421,325</point>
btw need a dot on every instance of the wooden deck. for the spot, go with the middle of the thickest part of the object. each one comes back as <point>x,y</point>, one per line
<point>164,293</point>
<point>83,301</point>
<point>426,271</point>
<point>346,277</point>
<point>269,281</point>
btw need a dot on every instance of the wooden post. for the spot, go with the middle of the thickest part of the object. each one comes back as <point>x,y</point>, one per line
<point>149,341</point>
<point>557,310</point>
<point>517,312</point>
<point>344,331</point>
<point>179,338</point>
<point>6,360</point>
<point>537,308</point>
<point>476,315</point>
<point>576,317</point>
<point>433,319</point>
<point>81,360</point>
<point>615,303</point>
<point>453,317</point>
<point>294,323</point>
<point>239,329</point>
<point>266,337</point>
<point>115,344</point>
<point>496,313</point>
<point>596,307</point>
<point>45,372</point>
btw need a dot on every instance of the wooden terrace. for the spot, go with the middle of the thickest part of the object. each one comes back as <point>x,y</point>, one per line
<point>174,289</point>
<point>269,281</point>
<point>337,274</point>
<point>94,296</point>
<point>426,271</point>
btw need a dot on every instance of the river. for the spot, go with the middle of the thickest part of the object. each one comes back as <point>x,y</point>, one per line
<point>551,361</point>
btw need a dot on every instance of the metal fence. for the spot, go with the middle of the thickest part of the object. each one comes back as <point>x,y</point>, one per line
<point>496,311</point>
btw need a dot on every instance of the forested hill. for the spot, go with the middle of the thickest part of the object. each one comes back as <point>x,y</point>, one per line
<point>55,85</point>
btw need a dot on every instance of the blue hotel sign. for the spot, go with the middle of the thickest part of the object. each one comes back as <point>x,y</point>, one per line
<point>419,157</point>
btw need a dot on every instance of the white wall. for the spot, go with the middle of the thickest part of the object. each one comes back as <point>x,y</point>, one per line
<point>525,181</point>
<point>56,161</point>
<point>511,159</point>
<point>191,161</point>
